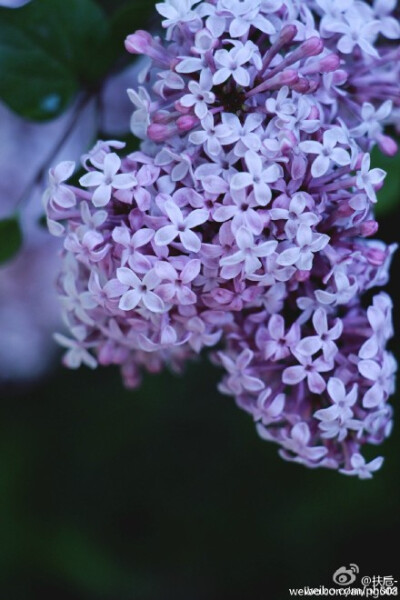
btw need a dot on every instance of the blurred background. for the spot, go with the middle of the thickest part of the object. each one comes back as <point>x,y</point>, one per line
<point>165,493</point>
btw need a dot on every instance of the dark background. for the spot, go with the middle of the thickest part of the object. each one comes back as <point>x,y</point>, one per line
<point>167,493</point>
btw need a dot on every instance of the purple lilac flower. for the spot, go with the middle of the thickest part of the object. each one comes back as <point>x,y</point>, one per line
<point>251,228</point>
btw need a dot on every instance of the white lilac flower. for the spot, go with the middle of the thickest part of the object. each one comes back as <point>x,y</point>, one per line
<point>324,340</point>
<point>245,14</point>
<point>381,374</point>
<point>211,135</point>
<point>248,256</point>
<point>310,370</point>
<point>240,209</point>
<point>240,376</point>
<point>355,30</point>
<point>176,12</point>
<point>389,26</point>
<point>298,442</point>
<point>258,176</point>
<point>57,193</point>
<point>200,95</point>
<point>245,218</point>
<point>359,467</point>
<point>230,63</point>
<point>176,286</point>
<point>273,341</point>
<point>78,349</point>
<point>106,180</point>
<point>139,290</point>
<point>367,179</point>
<point>181,227</point>
<point>326,152</point>
<point>244,134</point>
<point>342,402</point>
<point>302,254</point>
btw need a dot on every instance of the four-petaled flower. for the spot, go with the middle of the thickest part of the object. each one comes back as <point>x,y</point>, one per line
<point>104,181</point>
<point>240,376</point>
<point>324,340</point>
<point>57,193</point>
<point>342,402</point>
<point>139,291</point>
<point>302,255</point>
<point>298,442</point>
<point>369,179</point>
<point>248,256</point>
<point>200,94</point>
<point>230,63</point>
<point>359,467</point>
<point>258,176</point>
<point>310,370</point>
<point>381,376</point>
<point>211,135</point>
<point>181,227</point>
<point>326,151</point>
<point>274,343</point>
<point>178,287</point>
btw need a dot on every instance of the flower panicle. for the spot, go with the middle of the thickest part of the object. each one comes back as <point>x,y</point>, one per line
<point>243,224</point>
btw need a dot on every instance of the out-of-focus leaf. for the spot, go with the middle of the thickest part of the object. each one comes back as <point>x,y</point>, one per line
<point>132,15</point>
<point>111,6</point>
<point>48,50</point>
<point>10,238</point>
<point>85,564</point>
<point>389,195</point>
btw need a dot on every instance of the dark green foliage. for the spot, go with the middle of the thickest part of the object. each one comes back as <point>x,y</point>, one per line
<point>10,238</point>
<point>49,49</point>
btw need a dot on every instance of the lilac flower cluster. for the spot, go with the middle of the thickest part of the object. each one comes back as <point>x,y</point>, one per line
<point>244,219</point>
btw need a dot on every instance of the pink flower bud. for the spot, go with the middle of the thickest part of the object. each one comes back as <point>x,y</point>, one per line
<point>325,65</point>
<point>369,228</point>
<point>311,47</point>
<point>162,118</point>
<point>159,133</point>
<point>186,123</point>
<point>345,210</point>
<point>387,145</point>
<point>329,63</point>
<point>287,34</point>
<point>302,86</point>
<point>288,77</point>
<point>376,256</point>
<point>139,42</point>
<point>314,85</point>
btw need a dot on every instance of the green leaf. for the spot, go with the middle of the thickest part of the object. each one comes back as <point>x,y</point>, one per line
<point>49,49</point>
<point>10,238</point>
<point>85,564</point>
<point>389,195</point>
<point>111,6</point>
<point>131,16</point>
